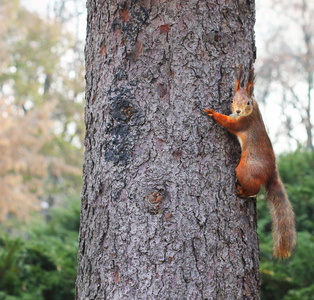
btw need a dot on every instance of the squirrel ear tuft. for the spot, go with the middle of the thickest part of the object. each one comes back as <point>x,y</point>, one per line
<point>250,83</point>
<point>239,73</point>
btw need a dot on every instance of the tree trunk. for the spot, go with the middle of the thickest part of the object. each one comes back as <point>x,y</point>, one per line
<point>160,218</point>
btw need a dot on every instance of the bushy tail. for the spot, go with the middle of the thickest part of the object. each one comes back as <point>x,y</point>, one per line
<point>283,220</point>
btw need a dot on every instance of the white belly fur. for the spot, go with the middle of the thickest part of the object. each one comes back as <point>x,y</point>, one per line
<point>240,141</point>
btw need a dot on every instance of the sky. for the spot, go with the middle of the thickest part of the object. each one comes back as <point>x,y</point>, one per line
<point>44,7</point>
<point>39,6</point>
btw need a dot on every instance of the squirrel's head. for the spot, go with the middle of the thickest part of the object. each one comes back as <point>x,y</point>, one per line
<point>242,102</point>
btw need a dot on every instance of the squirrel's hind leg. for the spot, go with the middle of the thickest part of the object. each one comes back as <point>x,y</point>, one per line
<point>249,186</point>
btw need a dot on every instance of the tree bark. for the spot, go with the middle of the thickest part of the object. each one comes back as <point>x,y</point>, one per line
<point>160,218</point>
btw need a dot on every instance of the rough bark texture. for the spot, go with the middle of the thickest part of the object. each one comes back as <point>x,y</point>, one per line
<point>160,218</point>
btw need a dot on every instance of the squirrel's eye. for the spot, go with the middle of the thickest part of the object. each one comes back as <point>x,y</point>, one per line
<point>248,103</point>
<point>231,100</point>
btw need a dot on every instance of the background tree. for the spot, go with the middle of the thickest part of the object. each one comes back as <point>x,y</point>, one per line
<point>287,67</point>
<point>41,112</point>
<point>23,166</point>
<point>159,215</point>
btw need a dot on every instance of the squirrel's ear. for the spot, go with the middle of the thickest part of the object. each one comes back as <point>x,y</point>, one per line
<point>239,74</point>
<point>250,83</point>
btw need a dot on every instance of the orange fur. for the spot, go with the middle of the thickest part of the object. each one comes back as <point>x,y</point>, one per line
<point>257,165</point>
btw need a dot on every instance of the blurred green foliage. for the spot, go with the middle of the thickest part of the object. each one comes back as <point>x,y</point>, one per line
<point>292,280</point>
<point>40,261</point>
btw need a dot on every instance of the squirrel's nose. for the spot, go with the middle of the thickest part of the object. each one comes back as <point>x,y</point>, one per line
<point>238,111</point>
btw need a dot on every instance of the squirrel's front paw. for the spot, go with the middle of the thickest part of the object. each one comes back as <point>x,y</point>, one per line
<point>210,112</point>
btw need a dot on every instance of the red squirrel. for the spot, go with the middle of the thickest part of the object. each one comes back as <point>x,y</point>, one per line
<point>257,165</point>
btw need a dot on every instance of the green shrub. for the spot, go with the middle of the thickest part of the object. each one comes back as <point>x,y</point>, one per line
<point>40,263</point>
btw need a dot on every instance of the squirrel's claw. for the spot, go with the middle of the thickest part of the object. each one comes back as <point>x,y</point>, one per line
<point>210,112</point>
<point>240,193</point>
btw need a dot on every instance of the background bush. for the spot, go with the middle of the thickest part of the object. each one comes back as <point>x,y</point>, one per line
<point>40,261</point>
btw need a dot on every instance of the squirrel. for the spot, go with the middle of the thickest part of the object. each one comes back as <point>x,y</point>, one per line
<point>257,165</point>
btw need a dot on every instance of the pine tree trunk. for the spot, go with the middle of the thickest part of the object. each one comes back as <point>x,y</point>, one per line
<point>160,218</point>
